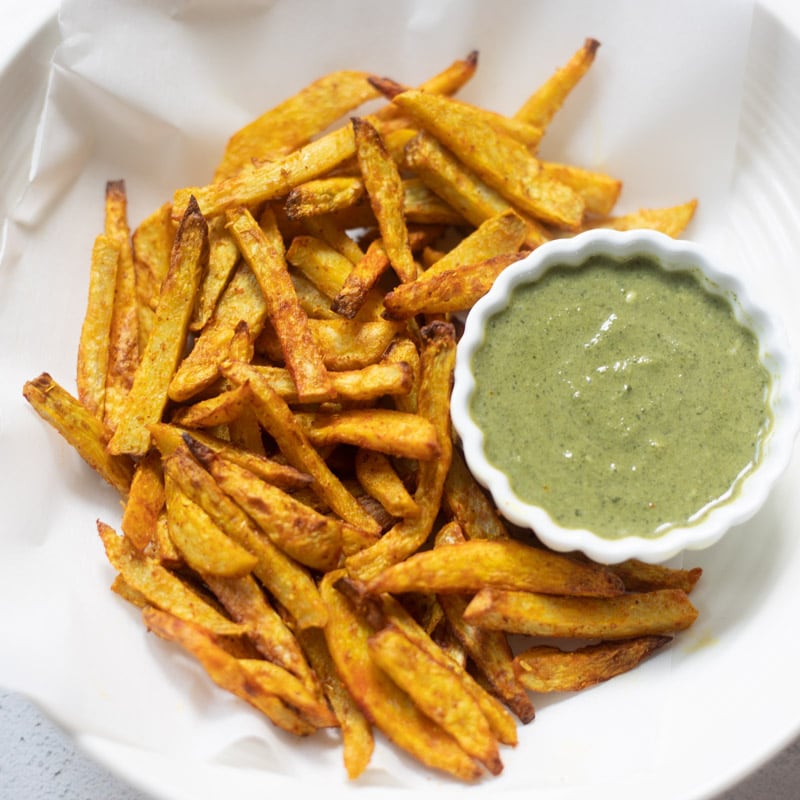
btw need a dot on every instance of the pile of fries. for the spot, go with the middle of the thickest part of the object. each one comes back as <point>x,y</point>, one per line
<point>264,375</point>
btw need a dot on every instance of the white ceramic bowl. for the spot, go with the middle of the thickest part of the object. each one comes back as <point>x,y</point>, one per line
<point>672,254</point>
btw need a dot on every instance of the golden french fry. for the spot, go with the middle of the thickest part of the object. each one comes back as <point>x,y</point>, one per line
<point>357,284</point>
<point>145,502</point>
<point>431,686</point>
<point>148,396</point>
<point>244,600</point>
<point>386,430</point>
<point>202,545</point>
<point>152,244</point>
<point>278,420</point>
<point>501,564</point>
<point>358,742</point>
<point>671,220</point>
<point>540,107</point>
<point>241,301</point>
<point>385,191</point>
<point>382,379</point>
<point>296,120</point>
<point>622,617</point>
<point>502,161</point>
<point>161,588</point>
<point>549,669</point>
<point>452,290</point>
<point>327,228</point>
<point>80,428</point>
<point>302,533</point>
<point>382,701</point>
<point>600,192</point>
<point>226,670</point>
<point>223,256</point>
<point>169,437</point>
<point>459,187</point>
<point>321,263</point>
<point>408,535</point>
<point>262,248</point>
<point>380,480</point>
<point>286,580</point>
<point>93,347</point>
<point>468,503</point>
<point>323,196</point>
<point>424,207</point>
<point>639,576</point>
<point>221,409</point>
<point>124,339</point>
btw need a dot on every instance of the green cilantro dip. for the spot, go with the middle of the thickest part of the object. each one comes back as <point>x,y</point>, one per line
<point>620,397</point>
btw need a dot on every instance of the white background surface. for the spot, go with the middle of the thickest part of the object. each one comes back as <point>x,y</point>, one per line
<point>38,762</point>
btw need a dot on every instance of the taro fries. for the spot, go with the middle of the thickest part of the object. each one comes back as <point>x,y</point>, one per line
<point>264,377</point>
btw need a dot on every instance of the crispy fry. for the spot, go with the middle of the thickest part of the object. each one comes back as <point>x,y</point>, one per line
<point>541,106</point>
<point>323,196</point>
<point>500,160</point>
<point>599,192</point>
<point>241,301</point>
<point>221,409</point>
<point>147,398</point>
<point>357,739</point>
<point>356,286</point>
<point>203,546</point>
<point>93,348</point>
<point>290,584</point>
<point>459,187</point>
<point>622,617</point>
<point>380,480</point>
<point>226,670</point>
<point>223,256</point>
<point>639,576</point>
<point>386,430</point>
<point>501,564</point>
<point>382,701</point>
<point>161,588</point>
<point>672,220</point>
<point>295,121</point>
<point>124,340</point>
<point>307,536</point>
<point>81,429</point>
<point>327,228</point>
<point>262,248</point>
<point>408,535</point>
<point>276,417</point>
<point>152,244</point>
<point>468,503</point>
<point>145,501</point>
<point>452,290</point>
<point>434,691</point>
<point>549,669</point>
<point>321,263</point>
<point>385,191</point>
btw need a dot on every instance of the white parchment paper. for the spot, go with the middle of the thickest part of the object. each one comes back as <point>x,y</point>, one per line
<point>149,91</point>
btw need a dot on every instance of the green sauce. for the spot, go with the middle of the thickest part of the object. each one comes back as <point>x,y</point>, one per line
<point>620,397</point>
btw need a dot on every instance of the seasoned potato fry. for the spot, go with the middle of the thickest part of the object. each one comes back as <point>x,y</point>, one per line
<point>161,588</point>
<point>80,428</point>
<point>321,263</point>
<point>500,160</point>
<point>223,255</point>
<point>549,669</point>
<point>639,576</point>
<point>262,248</point>
<point>358,742</point>
<point>500,564</point>
<point>145,501</point>
<point>356,286</point>
<point>386,196</point>
<point>277,418</point>
<point>444,700</point>
<point>296,120</point>
<point>202,545</point>
<point>93,348</point>
<point>124,338</point>
<point>671,220</point>
<point>451,290</point>
<point>599,192</point>
<point>379,479</point>
<point>386,430</point>
<point>324,195</point>
<point>147,398</point>
<point>540,107</point>
<point>226,670</point>
<point>383,702</point>
<point>290,584</point>
<point>622,617</point>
